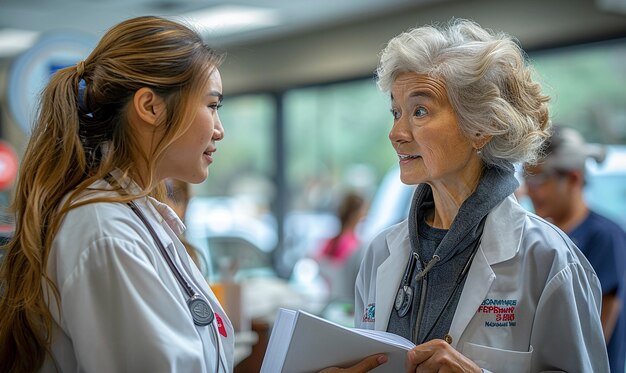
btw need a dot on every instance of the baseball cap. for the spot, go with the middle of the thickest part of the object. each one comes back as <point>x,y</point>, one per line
<point>567,150</point>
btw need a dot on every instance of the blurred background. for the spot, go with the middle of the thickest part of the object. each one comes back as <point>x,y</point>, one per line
<point>305,125</point>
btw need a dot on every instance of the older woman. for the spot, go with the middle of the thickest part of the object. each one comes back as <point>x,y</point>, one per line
<point>473,279</point>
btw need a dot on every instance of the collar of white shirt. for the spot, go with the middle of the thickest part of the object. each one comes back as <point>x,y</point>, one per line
<point>170,217</point>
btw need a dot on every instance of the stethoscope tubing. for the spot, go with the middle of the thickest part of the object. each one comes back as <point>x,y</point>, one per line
<point>201,311</point>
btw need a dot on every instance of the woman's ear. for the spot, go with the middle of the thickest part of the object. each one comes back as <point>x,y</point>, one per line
<point>148,106</point>
<point>480,141</point>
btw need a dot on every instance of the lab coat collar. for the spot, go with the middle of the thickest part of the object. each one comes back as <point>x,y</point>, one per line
<point>502,235</point>
<point>500,241</point>
<point>479,280</point>
<point>169,216</point>
<point>125,181</point>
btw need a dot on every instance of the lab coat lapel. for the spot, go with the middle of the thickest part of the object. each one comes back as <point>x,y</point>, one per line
<point>389,274</point>
<point>478,283</point>
<point>500,242</point>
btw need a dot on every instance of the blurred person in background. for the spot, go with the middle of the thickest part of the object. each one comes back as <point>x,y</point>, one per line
<point>351,210</point>
<point>555,186</point>
<point>477,282</point>
<point>336,251</point>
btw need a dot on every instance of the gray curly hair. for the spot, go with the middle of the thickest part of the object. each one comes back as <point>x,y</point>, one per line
<point>489,84</point>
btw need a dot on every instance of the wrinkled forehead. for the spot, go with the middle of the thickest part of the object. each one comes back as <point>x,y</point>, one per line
<point>411,84</point>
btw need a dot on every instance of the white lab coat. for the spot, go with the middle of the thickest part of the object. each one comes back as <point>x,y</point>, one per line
<point>526,269</point>
<point>122,309</point>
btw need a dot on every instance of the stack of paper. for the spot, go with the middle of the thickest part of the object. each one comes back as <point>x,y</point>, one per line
<point>301,342</point>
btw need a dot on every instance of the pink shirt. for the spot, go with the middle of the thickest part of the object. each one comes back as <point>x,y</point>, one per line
<point>339,249</point>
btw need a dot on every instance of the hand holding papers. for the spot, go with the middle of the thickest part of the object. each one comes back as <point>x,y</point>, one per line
<point>301,342</point>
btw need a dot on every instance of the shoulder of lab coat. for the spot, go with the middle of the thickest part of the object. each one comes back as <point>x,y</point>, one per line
<point>549,270</point>
<point>118,308</point>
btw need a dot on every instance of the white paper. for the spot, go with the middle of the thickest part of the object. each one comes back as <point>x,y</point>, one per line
<point>302,343</point>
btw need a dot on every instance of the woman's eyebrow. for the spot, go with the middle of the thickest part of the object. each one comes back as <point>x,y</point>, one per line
<point>423,93</point>
<point>420,93</point>
<point>217,94</point>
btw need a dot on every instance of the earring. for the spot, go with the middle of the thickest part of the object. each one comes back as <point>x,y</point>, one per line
<point>479,151</point>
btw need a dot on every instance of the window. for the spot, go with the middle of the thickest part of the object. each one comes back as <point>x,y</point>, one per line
<point>586,83</point>
<point>244,158</point>
<point>337,135</point>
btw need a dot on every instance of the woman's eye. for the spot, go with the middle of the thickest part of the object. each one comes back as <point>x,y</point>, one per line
<point>215,106</point>
<point>420,111</point>
<point>395,113</point>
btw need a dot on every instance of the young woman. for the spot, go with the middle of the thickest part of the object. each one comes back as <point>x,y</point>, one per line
<point>95,278</point>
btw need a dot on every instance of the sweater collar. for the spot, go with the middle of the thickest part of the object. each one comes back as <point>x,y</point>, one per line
<point>494,186</point>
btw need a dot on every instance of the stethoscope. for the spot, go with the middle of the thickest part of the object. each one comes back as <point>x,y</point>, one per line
<point>201,312</point>
<point>404,296</point>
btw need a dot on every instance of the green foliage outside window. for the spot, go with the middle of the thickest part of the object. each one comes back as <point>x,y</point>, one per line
<point>588,88</point>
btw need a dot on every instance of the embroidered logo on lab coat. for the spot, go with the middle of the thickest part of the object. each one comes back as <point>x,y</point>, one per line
<point>220,325</point>
<point>498,312</point>
<point>370,313</point>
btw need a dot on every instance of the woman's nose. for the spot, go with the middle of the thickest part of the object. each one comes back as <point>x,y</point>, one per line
<point>218,130</point>
<point>399,132</point>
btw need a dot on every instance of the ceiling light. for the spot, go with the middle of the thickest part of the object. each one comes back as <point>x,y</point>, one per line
<point>231,19</point>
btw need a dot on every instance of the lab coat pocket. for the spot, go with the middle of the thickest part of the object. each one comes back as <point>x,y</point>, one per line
<point>497,360</point>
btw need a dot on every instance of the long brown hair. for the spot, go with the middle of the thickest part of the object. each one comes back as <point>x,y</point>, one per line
<point>80,135</point>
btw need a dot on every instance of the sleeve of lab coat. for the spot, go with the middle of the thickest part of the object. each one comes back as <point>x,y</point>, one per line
<point>122,318</point>
<point>567,334</point>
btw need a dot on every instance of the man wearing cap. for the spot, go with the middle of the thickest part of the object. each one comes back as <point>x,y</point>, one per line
<point>555,187</point>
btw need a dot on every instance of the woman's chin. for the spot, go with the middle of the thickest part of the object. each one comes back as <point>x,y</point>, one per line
<point>198,177</point>
<point>409,179</point>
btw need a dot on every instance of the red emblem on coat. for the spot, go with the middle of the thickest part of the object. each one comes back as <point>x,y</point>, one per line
<point>220,325</point>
